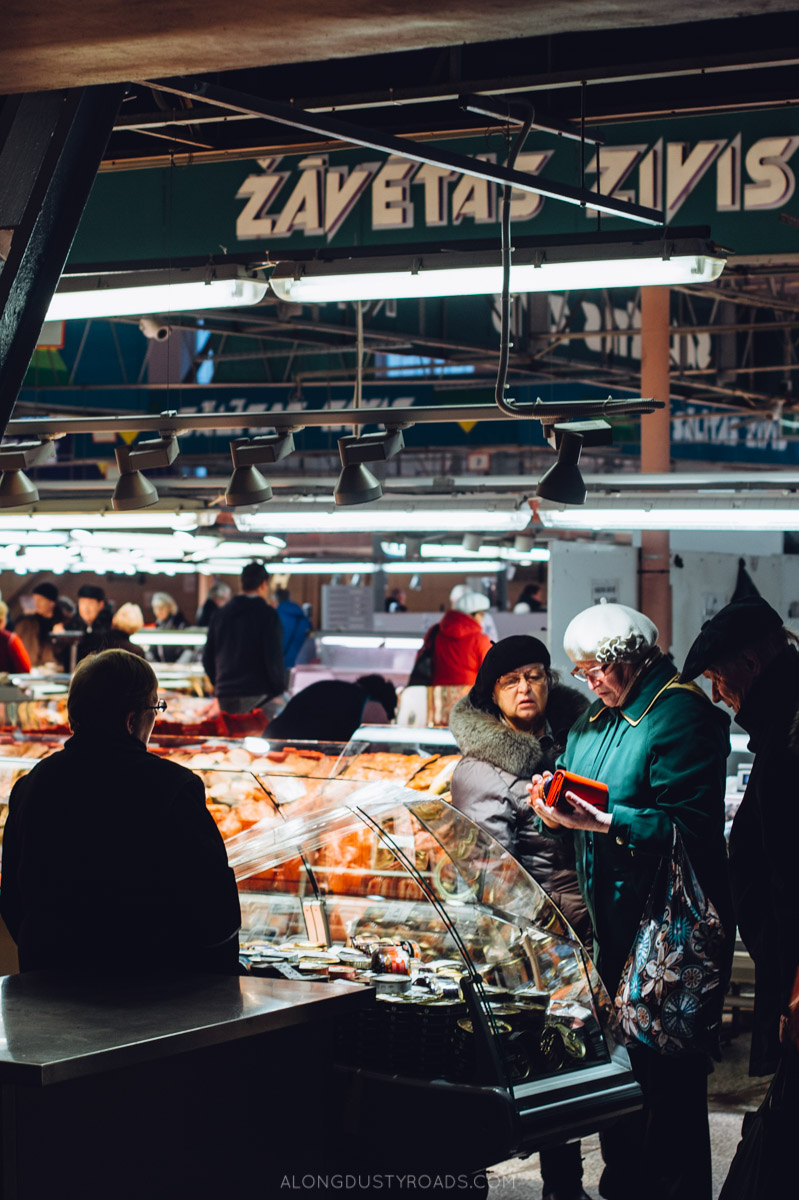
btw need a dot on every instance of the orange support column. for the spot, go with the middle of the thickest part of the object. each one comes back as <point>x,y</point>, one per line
<point>655,589</point>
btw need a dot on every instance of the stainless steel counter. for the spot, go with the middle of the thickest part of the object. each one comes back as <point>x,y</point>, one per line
<point>131,1088</point>
<point>55,1028</point>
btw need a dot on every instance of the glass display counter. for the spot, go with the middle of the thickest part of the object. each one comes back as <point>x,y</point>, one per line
<point>483,1000</point>
<point>249,779</point>
<point>482,989</point>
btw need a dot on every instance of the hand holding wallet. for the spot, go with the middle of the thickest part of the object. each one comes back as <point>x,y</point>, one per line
<point>553,791</point>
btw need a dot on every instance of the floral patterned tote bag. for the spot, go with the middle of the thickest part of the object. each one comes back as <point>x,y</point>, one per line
<point>672,987</point>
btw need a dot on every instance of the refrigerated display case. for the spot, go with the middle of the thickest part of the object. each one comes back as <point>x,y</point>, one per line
<point>485,998</point>
<point>485,1004</point>
<point>249,779</point>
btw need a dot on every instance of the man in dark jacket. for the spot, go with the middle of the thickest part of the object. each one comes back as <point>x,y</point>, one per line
<point>93,619</point>
<point>243,655</point>
<point>94,612</point>
<point>753,665</point>
<point>111,861</point>
<point>511,725</point>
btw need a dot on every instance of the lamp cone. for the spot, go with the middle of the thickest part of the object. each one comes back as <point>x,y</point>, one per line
<point>247,486</point>
<point>357,485</point>
<point>133,490</point>
<point>563,482</point>
<point>17,490</point>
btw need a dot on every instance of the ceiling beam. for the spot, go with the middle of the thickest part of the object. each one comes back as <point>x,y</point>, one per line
<point>385,143</point>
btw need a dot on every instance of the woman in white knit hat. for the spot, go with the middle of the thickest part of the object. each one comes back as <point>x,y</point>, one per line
<point>661,749</point>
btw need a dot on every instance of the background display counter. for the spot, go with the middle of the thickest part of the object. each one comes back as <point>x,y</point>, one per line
<point>487,1003</point>
<point>186,644</point>
<point>348,656</point>
<point>390,647</point>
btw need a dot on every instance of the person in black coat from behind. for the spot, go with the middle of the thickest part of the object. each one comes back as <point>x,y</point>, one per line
<point>752,663</point>
<point>243,655</point>
<point>511,725</point>
<point>111,861</point>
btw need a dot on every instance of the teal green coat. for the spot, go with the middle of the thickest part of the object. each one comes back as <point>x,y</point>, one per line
<point>663,757</point>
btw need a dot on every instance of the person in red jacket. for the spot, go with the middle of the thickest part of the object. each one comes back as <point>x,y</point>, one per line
<point>460,644</point>
<point>13,655</point>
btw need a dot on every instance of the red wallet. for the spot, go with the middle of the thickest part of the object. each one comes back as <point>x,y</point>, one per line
<point>592,790</point>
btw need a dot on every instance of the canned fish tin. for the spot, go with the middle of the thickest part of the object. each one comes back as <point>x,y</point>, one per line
<point>391,985</point>
<point>341,971</point>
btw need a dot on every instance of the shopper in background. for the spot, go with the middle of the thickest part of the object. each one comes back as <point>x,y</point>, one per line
<point>382,695</point>
<point>661,747</point>
<point>109,891</point>
<point>52,615</point>
<point>243,654</point>
<point>530,600</point>
<point>167,616</point>
<point>752,663</point>
<point>296,627</point>
<point>395,601</point>
<point>68,608</point>
<point>39,649</point>
<point>459,644</point>
<point>166,612</point>
<point>48,609</point>
<point>13,655</point>
<point>127,620</point>
<point>330,710</point>
<point>489,625</point>
<point>218,595</point>
<point>94,613</point>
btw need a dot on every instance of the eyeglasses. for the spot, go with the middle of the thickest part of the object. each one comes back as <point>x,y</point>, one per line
<point>591,674</point>
<point>509,683</point>
<point>159,707</point>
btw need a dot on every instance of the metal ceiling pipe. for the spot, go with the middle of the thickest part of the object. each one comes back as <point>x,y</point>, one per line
<point>385,143</point>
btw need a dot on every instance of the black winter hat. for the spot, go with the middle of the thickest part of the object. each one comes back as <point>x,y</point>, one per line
<point>739,625</point>
<point>48,590</point>
<point>88,591</point>
<point>504,656</point>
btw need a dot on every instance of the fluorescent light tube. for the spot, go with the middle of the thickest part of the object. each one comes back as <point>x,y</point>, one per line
<point>169,637</point>
<point>140,292</point>
<point>485,566</point>
<point>747,514</point>
<point>322,568</point>
<point>387,516</point>
<point>664,262</point>
<point>455,550</point>
<point>263,549</point>
<point>473,567</point>
<point>46,521</point>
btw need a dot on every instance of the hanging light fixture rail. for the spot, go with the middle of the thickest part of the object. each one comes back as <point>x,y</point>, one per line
<point>175,423</point>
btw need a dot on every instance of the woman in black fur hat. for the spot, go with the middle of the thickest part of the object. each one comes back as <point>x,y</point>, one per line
<point>513,724</point>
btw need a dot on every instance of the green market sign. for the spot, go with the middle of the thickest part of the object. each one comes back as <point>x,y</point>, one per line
<point>735,173</point>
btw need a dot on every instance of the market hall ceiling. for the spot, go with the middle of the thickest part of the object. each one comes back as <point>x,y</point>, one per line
<point>46,45</point>
<point>333,56</point>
